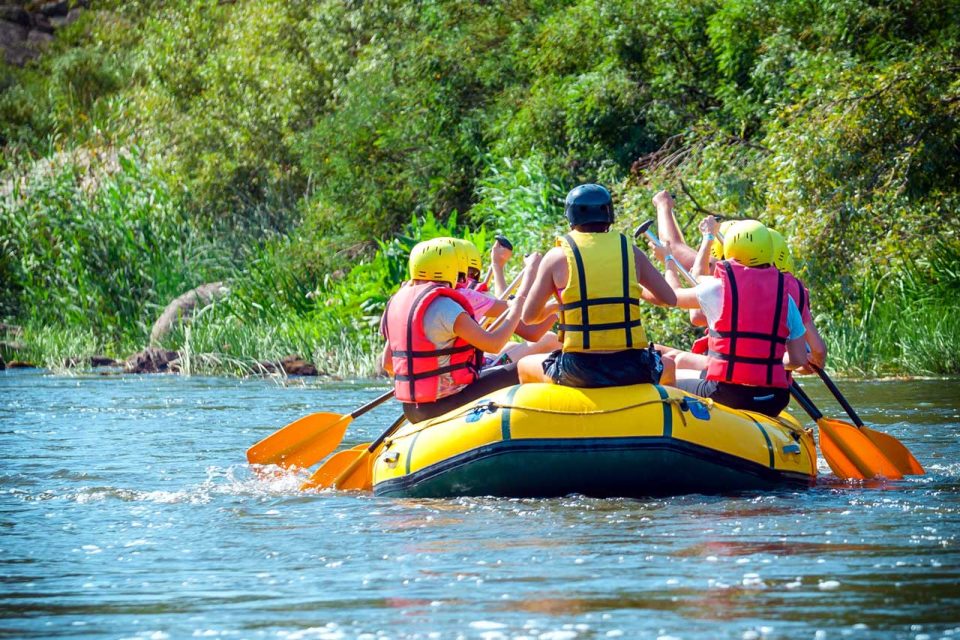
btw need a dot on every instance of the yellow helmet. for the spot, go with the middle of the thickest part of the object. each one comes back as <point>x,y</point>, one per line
<point>468,257</point>
<point>717,249</point>
<point>434,260</point>
<point>474,260</point>
<point>781,252</point>
<point>749,243</point>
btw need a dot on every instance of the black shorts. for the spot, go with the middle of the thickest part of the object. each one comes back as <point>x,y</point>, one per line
<point>491,379</point>
<point>766,400</point>
<point>618,369</point>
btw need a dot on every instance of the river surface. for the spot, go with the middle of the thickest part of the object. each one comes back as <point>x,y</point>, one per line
<point>127,510</point>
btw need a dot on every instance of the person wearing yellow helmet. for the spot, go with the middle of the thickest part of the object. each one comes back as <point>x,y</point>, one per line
<point>434,347</point>
<point>783,261</point>
<point>756,333</point>
<point>538,337</point>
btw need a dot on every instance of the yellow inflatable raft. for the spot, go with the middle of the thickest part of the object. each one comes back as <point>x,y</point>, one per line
<point>540,440</point>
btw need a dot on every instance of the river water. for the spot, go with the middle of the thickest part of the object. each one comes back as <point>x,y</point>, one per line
<point>127,510</point>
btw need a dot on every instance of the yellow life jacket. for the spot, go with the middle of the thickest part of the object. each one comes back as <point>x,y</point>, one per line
<point>600,306</point>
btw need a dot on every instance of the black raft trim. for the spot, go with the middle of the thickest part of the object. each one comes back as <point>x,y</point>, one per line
<point>585,446</point>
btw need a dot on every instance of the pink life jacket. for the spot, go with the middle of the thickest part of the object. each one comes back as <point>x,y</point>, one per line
<point>748,340</point>
<point>416,360</point>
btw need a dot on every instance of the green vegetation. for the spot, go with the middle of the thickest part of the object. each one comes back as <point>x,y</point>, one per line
<point>297,149</point>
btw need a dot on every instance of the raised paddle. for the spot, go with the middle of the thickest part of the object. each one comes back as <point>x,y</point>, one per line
<point>850,454</point>
<point>893,449</point>
<point>350,469</point>
<point>311,438</point>
<point>644,229</point>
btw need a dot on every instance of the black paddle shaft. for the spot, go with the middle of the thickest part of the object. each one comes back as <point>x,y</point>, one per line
<point>376,402</point>
<point>804,401</point>
<point>503,242</point>
<point>839,396</point>
<point>386,434</point>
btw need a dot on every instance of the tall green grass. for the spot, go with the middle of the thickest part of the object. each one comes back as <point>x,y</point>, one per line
<point>93,240</point>
<point>906,322</point>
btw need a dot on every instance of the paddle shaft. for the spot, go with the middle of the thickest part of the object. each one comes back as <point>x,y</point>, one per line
<point>376,402</point>
<point>839,396</point>
<point>805,402</point>
<point>680,267</point>
<point>490,326</point>
<point>369,451</point>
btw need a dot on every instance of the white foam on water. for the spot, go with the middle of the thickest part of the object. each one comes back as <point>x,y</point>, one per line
<point>485,625</point>
<point>828,585</point>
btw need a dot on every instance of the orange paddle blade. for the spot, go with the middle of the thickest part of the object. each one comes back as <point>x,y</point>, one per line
<point>302,442</point>
<point>329,471</point>
<point>851,454</point>
<point>895,452</point>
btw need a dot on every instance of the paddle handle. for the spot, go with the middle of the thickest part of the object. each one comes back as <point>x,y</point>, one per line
<point>804,401</point>
<point>373,447</point>
<point>656,241</point>
<point>376,402</point>
<point>839,396</point>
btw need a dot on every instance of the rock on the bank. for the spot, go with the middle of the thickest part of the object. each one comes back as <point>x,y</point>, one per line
<point>153,360</point>
<point>184,306</point>
<point>290,365</point>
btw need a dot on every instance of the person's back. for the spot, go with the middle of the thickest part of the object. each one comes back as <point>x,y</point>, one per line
<point>596,275</point>
<point>753,322</point>
<point>434,347</point>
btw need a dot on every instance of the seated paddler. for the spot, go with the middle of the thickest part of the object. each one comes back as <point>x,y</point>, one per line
<point>756,332</point>
<point>599,278</point>
<point>434,348</point>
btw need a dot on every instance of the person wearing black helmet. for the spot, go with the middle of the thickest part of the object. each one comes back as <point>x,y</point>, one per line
<point>598,278</point>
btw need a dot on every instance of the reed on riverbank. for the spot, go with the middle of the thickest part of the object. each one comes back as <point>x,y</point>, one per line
<point>284,148</point>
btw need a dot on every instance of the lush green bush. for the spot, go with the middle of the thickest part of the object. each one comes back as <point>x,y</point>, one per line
<point>287,145</point>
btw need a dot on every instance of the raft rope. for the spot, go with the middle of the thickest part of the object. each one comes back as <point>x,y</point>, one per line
<point>492,407</point>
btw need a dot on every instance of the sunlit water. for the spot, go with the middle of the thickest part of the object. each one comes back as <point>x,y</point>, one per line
<point>127,510</point>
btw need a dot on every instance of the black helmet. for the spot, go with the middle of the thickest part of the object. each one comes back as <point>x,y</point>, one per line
<point>589,203</point>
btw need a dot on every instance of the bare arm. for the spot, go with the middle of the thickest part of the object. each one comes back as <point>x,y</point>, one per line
<point>649,277</point>
<point>492,341</point>
<point>796,354</point>
<point>818,348</point>
<point>386,360</point>
<point>499,256</point>
<point>553,266</point>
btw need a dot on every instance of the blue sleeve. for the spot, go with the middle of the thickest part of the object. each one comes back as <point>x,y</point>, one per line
<point>794,320</point>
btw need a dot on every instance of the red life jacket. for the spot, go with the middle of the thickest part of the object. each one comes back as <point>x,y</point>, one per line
<point>747,342</point>
<point>416,360</point>
<point>799,293</point>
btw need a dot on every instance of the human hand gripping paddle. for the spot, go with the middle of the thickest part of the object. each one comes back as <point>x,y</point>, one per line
<point>894,450</point>
<point>352,469</point>
<point>644,229</point>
